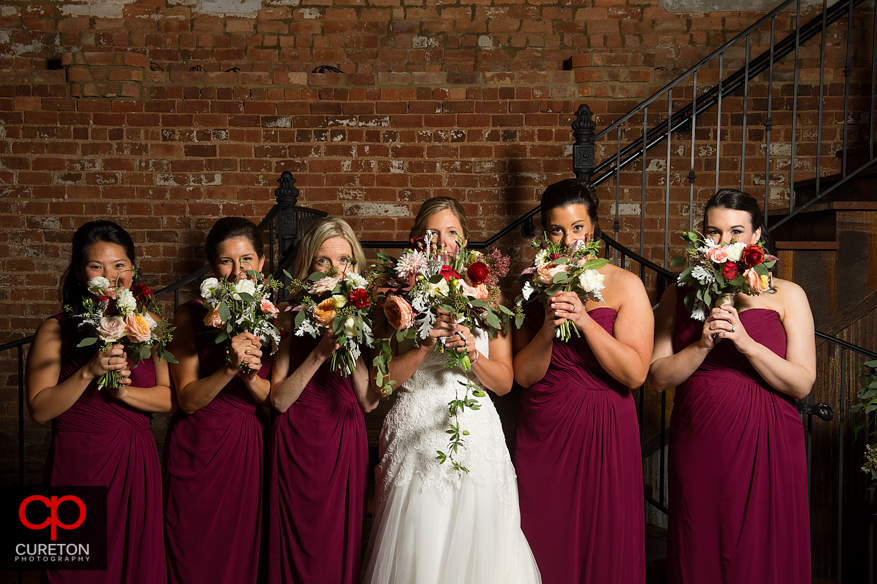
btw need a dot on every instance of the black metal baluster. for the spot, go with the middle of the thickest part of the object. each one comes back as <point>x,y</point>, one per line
<point>821,97</point>
<point>642,203</point>
<point>719,119</point>
<point>691,174</point>
<point>667,186</point>
<point>795,105</point>
<point>745,114</point>
<point>848,71</point>
<point>768,124</point>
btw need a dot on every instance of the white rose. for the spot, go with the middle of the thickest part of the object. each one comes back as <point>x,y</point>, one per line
<point>350,327</point>
<point>244,287</point>
<point>591,282</point>
<point>97,285</point>
<point>125,302</point>
<point>735,251</point>
<point>209,287</point>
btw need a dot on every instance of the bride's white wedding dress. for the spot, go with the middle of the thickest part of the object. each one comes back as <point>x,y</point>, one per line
<point>434,525</point>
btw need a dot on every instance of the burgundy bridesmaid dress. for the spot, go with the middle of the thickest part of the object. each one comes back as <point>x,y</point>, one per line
<point>100,441</point>
<point>213,477</point>
<point>579,467</point>
<point>738,469</point>
<point>319,464</point>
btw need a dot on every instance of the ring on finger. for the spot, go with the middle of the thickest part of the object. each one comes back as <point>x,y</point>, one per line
<point>733,328</point>
<point>109,361</point>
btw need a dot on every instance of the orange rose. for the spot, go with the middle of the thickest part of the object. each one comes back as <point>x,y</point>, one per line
<point>757,283</point>
<point>212,319</point>
<point>137,328</point>
<point>324,313</point>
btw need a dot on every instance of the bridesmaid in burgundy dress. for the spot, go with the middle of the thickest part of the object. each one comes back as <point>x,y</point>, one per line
<point>319,458</point>
<point>102,437</point>
<point>738,471</point>
<point>577,451</point>
<point>214,455</point>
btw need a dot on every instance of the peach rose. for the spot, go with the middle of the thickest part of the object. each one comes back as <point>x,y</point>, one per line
<point>718,254</point>
<point>268,307</point>
<point>546,272</point>
<point>757,283</point>
<point>137,328</point>
<point>212,319</point>
<point>479,292</point>
<point>398,312</point>
<point>324,313</point>
<point>111,328</point>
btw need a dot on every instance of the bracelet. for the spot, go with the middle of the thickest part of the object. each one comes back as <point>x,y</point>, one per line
<point>475,360</point>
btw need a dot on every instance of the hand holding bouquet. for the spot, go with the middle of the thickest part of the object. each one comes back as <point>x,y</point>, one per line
<point>243,306</point>
<point>556,268</point>
<point>124,320</point>
<point>340,302</point>
<point>719,271</point>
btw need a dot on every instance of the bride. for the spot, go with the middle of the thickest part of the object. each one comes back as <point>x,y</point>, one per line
<point>433,524</point>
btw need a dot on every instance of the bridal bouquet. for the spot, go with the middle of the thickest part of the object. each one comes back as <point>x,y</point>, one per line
<point>242,306</point>
<point>556,268</point>
<point>719,271</point>
<point>464,284</point>
<point>124,320</point>
<point>338,301</point>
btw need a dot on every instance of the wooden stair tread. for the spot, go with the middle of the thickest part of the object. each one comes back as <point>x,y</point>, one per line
<point>830,245</point>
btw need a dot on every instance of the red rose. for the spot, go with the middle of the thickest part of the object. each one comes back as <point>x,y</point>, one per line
<point>730,270</point>
<point>358,298</point>
<point>141,291</point>
<point>478,273</point>
<point>448,272</point>
<point>418,243</point>
<point>753,255</point>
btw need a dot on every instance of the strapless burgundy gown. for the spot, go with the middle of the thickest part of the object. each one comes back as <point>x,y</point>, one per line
<point>319,465</point>
<point>100,441</point>
<point>738,469</point>
<point>213,477</point>
<point>579,466</point>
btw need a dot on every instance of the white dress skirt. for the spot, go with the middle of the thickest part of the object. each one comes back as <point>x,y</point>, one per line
<point>435,525</point>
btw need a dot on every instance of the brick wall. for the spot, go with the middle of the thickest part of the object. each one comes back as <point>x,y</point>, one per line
<point>164,117</point>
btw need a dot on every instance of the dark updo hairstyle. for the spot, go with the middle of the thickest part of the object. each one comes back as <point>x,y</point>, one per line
<point>73,286</point>
<point>571,191</point>
<point>230,228</point>
<point>739,201</point>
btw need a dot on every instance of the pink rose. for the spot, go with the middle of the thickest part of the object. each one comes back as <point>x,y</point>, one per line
<point>398,312</point>
<point>268,307</point>
<point>111,328</point>
<point>137,328</point>
<point>757,283</point>
<point>718,255</point>
<point>326,284</point>
<point>546,272</point>
<point>212,319</point>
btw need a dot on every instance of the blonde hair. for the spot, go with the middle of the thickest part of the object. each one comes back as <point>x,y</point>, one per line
<point>434,205</point>
<point>316,235</point>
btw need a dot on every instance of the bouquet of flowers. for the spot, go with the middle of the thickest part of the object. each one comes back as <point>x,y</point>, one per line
<point>338,301</point>
<point>124,320</point>
<point>558,268</point>
<point>242,306</point>
<point>427,279</point>
<point>718,271</point>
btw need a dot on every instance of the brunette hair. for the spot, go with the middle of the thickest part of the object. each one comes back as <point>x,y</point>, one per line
<point>739,201</point>
<point>571,191</point>
<point>434,205</point>
<point>230,228</point>
<point>316,235</point>
<point>73,288</point>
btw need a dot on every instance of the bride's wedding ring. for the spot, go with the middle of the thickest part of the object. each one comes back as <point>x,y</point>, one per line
<point>733,328</point>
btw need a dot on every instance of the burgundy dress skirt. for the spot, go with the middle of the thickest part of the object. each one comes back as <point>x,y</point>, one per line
<point>738,470</point>
<point>213,478</point>
<point>579,465</point>
<point>100,441</point>
<point>319,464</point>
